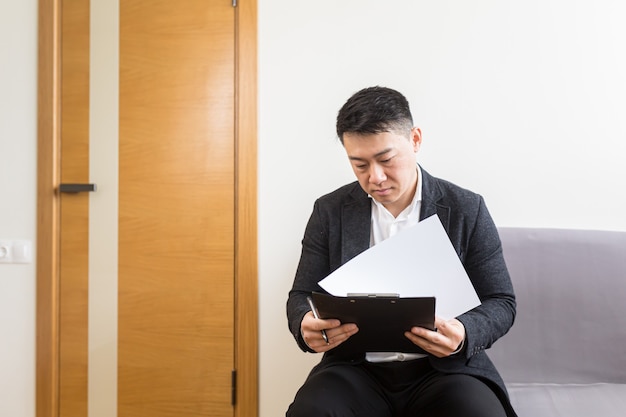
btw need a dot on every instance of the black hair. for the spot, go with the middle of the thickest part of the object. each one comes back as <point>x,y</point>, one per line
<point>374,110</point>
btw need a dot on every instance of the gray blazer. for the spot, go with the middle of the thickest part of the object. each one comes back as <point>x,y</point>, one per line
<point>339,229</point>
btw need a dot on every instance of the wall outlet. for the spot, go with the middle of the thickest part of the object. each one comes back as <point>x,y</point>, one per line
<point>16,251</point>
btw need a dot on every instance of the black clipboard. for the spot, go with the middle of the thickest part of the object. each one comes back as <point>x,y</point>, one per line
<point>382,320</point>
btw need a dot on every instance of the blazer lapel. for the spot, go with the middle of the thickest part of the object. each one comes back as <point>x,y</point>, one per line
<point>356,224</point>
<point>431,196</point>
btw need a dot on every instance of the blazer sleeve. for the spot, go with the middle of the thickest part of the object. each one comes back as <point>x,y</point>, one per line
<point>484,262</point>
<point>314,265</point>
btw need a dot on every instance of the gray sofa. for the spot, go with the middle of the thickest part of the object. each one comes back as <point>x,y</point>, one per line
<point>566,353</point>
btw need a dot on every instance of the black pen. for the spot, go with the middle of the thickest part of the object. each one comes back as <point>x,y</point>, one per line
<point>314,310</point>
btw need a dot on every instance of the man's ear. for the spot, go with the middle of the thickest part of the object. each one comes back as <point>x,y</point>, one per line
<point>416,138</point>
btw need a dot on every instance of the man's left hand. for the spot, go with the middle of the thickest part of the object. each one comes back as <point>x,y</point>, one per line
<point>445,341</point>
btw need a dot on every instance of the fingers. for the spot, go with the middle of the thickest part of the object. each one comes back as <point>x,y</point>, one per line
<point>311,323</point>
<point>336,333</point>
<point>442,342</point>
<point>336,337</point>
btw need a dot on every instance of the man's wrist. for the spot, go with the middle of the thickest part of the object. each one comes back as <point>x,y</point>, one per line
<point>460,348</point>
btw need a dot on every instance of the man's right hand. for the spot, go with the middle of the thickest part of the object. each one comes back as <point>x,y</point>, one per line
<point>337,333</point>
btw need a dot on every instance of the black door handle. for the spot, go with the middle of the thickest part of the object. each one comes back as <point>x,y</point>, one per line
<point>77,188</point>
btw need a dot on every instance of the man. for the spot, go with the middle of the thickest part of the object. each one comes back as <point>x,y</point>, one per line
<point>455,378</point>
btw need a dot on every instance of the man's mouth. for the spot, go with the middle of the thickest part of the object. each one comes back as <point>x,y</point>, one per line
<point>382,191</point>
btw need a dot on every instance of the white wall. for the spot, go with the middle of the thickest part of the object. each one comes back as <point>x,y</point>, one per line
<point>520,101</point>
<point>18,101</point>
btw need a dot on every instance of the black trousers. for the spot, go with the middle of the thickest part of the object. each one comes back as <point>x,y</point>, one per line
<point>395,389</point>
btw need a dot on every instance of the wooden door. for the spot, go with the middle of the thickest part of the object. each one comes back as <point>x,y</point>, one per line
<point>176,210</point>
<point>74,212</point>
<point>187,236</point>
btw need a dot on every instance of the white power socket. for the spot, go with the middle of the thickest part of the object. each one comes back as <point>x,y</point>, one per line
<point>16,251</point>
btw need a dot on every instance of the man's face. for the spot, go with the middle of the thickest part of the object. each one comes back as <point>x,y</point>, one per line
<point>385,165</point>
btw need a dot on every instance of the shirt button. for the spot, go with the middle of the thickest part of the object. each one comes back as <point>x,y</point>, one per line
<point>400,357</point>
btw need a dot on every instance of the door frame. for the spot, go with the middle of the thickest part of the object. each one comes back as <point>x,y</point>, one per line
<point>48,210</point>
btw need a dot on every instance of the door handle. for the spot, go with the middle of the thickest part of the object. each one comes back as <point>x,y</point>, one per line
<point>77,188</point>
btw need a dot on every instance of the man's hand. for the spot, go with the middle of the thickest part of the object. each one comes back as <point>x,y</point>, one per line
<point>337,333</point>
<point>445,341</point>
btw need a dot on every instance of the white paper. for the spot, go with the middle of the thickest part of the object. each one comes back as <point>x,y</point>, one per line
<point>416,262</point>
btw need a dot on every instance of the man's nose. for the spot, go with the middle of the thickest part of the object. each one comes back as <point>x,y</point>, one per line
<point>377,174</point>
